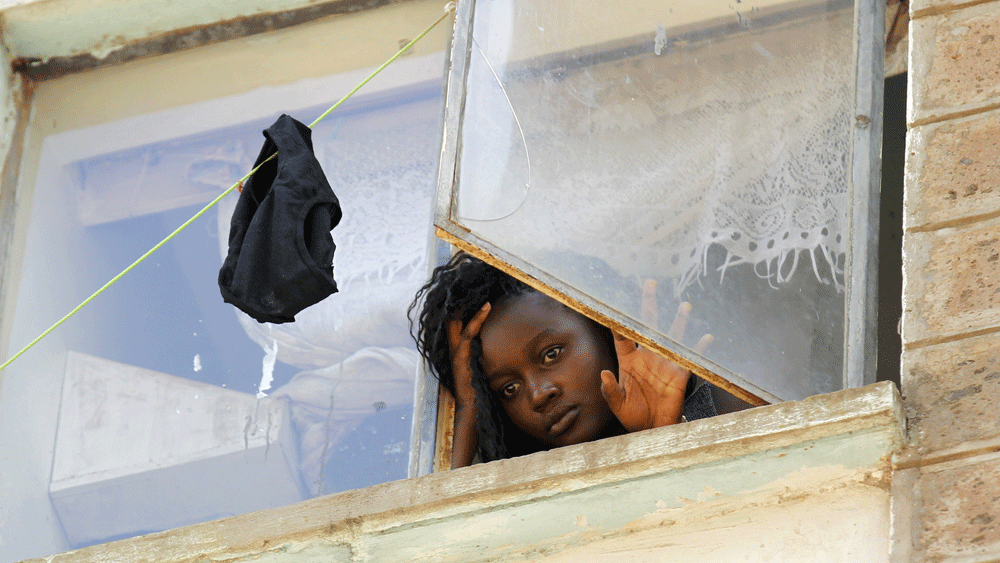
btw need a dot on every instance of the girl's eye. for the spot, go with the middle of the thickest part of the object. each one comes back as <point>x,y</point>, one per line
<point>509,390</point>
<point>553,353</point>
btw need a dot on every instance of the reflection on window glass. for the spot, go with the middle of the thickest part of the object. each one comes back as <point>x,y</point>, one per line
<point>702,145</point>
<point>160,389</point>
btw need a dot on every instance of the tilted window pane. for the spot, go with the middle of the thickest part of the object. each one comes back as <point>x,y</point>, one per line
<point>703,145</point>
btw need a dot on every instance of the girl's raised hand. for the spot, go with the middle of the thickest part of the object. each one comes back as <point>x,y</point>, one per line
<point>464,439</point>
<point>459,347</point>
<point>649,391</point>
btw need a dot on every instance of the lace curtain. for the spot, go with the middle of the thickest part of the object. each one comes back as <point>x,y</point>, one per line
<point>648,162</point>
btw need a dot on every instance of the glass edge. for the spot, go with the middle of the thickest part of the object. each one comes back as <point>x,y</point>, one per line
<point>423,429</point>
<point>426,393</point>
<point>454,96</point>
<point>577,300</point>
<point>861,284</point>
<point>423,432</point>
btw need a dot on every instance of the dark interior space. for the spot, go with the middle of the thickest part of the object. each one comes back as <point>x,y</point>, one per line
<point>890,266</point>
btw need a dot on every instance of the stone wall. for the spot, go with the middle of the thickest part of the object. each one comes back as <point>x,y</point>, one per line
<point>947,493</point>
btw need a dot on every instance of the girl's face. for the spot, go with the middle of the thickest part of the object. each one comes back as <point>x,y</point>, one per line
<point>544,362</point>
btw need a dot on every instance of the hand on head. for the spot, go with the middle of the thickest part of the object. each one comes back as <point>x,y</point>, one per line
<point>459,344</point>
<point>464,439</point>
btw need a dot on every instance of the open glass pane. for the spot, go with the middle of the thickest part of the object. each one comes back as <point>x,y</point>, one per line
<point>155,406</point>
<point>704,145</point>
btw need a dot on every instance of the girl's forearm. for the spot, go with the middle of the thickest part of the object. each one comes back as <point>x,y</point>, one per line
<point>464,439</point>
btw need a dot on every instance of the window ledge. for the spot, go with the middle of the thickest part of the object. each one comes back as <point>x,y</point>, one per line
<point>806,477</point>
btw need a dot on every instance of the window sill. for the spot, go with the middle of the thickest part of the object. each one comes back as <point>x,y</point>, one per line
<point>807,477</point>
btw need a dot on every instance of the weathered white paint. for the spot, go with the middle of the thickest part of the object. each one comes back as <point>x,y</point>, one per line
<point>10,119</point>
<point>59,28</point>
<point>829,526</point>
<point>790,482</point>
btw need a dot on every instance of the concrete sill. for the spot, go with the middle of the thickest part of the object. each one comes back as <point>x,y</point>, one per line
<point>789,475</point>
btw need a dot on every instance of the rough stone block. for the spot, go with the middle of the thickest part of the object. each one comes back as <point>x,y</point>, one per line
<point>953,170</point>
<point>959,513</point>
<point>951,392</point>
<point>951,281</point>
<point>954,62</point>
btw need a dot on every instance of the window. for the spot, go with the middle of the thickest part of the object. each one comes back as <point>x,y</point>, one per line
<point>149,409</point>
<point>211,132</point>
<point>723,150</point>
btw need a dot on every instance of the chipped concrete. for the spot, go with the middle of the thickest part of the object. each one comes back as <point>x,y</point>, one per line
<point>789,531</point>
<point>52,37</point>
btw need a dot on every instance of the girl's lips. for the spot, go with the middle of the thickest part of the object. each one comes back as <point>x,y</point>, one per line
<point>564,422</point>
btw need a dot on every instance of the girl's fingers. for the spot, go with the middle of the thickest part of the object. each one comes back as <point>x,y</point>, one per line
<point>454,334</point>
<point>649,313</point>
<point>680,322</point>
<point>457,332</point>
<point>612,392</point>
<point>623,345</point>
<point>703,343</point>
<point>472,329</point>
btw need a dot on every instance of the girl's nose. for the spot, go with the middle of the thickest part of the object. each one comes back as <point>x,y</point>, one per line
<point>543,392</point>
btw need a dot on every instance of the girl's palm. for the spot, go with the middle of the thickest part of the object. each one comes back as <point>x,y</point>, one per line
<point>649,391</point>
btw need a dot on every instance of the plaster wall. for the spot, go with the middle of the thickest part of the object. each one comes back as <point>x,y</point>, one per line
<point>12,120</point>
<point>42,29</point>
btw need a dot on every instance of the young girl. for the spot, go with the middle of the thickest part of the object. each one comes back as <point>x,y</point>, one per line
<point>529,373</point>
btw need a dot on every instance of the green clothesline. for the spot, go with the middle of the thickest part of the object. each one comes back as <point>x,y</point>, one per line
<point>448,9</point>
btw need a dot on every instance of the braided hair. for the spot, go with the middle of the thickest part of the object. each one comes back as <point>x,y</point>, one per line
<point>457,290</point>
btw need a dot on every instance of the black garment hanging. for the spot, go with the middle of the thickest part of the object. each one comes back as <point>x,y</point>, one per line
<point>280,258</point>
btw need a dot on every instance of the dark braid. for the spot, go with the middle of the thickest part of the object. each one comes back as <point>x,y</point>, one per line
<point>490,426</point>
<point>457,290</point>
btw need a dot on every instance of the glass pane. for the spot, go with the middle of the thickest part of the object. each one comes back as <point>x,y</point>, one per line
<point>704,145</point>
<point>159,387</point>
